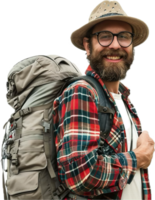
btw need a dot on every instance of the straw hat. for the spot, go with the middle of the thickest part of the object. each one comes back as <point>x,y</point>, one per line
<point>110,10</point>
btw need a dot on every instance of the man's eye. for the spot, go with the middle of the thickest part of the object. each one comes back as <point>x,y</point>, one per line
<point>105,37</point>
<point>123,36</point>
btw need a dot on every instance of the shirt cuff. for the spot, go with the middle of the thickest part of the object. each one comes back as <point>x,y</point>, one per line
<point>128,162</point>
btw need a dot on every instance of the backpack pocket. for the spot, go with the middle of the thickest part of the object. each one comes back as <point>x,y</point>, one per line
<point>30,185</point>
<point>24,186</point>
<point>31,155</point>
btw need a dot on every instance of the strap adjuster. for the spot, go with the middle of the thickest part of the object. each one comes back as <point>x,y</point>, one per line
<point>25,111</point>
<point>16,104</point>
<point>46,126</point>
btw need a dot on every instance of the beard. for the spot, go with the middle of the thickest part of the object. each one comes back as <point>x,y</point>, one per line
<point>110,72</point>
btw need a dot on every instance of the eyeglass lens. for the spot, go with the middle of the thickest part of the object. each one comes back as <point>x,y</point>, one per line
<point>124,38</point>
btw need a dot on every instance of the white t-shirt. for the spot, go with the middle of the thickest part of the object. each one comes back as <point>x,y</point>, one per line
<point>132,191</point>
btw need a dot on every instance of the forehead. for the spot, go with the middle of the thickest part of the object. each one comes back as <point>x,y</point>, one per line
<point>113,26</point>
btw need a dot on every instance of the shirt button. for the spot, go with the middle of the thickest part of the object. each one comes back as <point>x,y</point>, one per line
<point>122,183</point>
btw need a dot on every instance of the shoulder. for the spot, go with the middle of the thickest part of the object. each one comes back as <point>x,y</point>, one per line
<point>81,87</point>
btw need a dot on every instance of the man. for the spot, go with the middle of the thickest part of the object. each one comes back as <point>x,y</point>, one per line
<point>118,172</point>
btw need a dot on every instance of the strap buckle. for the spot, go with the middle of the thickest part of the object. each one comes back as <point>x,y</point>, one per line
<point>9,142</point>
<point>14,154</point>
<point>61,192</point>
<point>9,156</point>
<point>25,111</point>
<point>76,197</point>
<point>14,159</point>
<point>46,126</point>
<point>104,134</point>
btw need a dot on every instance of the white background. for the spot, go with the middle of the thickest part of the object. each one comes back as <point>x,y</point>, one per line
<point>27,36</point>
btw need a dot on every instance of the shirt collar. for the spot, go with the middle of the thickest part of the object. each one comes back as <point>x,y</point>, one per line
<point>123,89</point>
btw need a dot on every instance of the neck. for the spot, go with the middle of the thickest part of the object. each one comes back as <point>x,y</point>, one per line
<point>112,86</point>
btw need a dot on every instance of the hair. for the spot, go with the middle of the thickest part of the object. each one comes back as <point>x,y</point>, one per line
<point>89,36</point>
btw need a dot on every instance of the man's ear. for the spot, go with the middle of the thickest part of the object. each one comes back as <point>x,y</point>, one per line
<point>86,45</point>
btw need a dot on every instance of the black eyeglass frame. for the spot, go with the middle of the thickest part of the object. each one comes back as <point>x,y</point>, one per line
<point>113,34</point>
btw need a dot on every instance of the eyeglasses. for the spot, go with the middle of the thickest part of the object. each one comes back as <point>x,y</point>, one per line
<point>105,38</point>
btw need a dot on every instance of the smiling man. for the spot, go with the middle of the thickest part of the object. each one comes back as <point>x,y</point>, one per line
<point>114,167</point>
<point>113,62</point>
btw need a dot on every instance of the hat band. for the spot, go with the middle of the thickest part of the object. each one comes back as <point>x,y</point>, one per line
<point>110,14</point>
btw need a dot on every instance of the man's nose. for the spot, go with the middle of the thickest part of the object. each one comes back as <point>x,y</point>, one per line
<point>115,44</point>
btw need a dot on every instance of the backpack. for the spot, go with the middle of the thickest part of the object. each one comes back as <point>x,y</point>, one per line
<point>28,151</point>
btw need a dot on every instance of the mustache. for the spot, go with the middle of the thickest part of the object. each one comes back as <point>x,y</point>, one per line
<point>112,52</point>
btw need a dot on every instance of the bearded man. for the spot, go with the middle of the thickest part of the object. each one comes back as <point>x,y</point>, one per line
<point>120,170</point>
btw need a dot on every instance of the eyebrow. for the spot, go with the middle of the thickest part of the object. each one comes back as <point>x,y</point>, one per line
<point>112,32</point>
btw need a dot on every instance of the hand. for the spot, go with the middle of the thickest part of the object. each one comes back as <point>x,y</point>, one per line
<point>144,151</point>
<point>143,138</point>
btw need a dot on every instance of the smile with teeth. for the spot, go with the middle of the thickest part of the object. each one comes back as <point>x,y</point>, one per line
<point>113,57</point>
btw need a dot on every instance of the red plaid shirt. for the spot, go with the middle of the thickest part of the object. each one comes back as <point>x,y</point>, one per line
<point>77,138</point>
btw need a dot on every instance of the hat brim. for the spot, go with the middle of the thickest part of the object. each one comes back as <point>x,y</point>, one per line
<point>140,29</point>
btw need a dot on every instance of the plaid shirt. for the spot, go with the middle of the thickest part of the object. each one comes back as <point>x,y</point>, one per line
<point>77,137</point>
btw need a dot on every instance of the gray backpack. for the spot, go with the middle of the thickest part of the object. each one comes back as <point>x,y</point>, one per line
<point>28,149</point>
